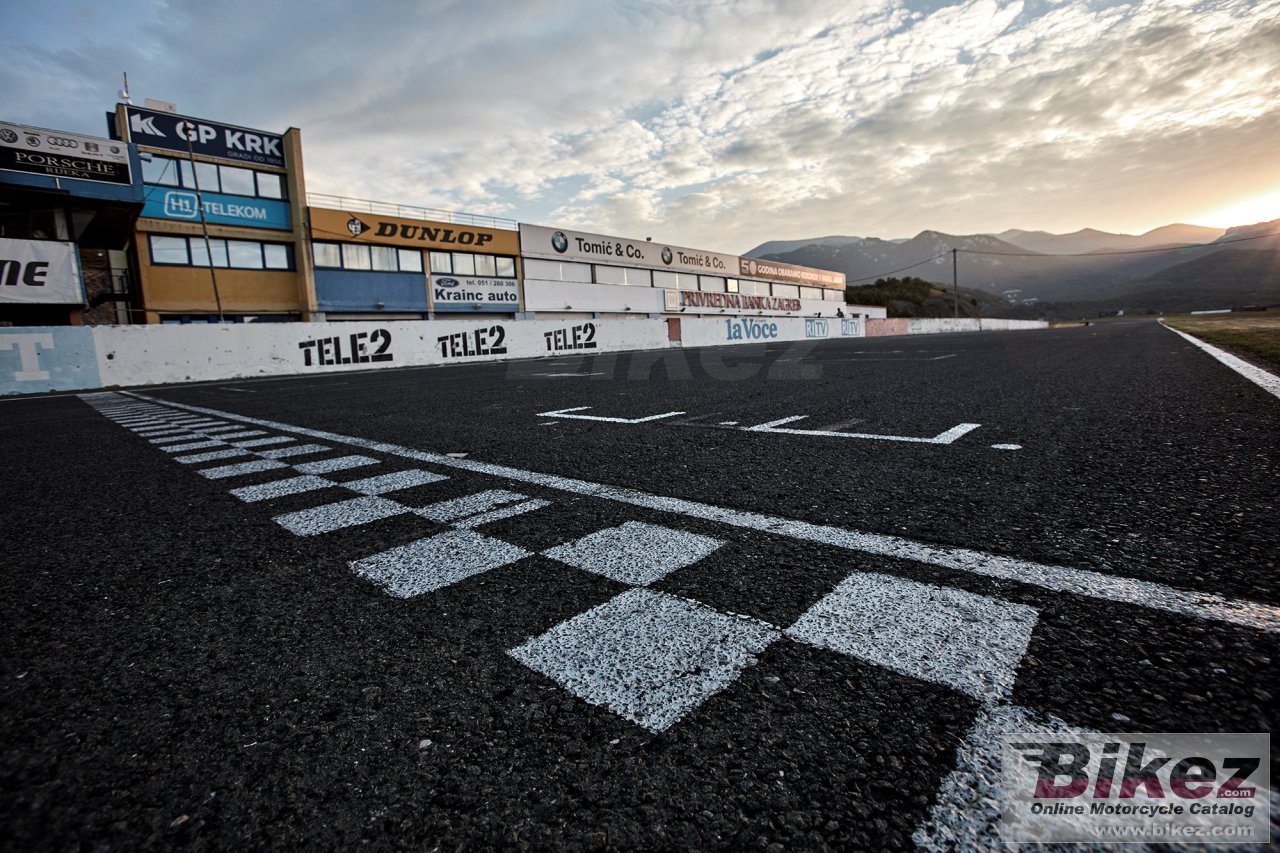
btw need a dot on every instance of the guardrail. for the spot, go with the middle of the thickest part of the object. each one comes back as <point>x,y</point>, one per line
<point>361,205</point>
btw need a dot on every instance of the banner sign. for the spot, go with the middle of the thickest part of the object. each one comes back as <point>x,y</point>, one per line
<point>58,154</point>
<point>180,133</point>
<point>467,293</point>
<point>219,209</point>
<point>777,271</point>
<point>39,272</point>
<point>347,227</point>
<point>537,241</point>
<point>738,301</point>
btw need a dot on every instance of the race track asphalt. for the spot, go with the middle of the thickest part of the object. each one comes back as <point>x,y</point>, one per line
<point>748,625</point>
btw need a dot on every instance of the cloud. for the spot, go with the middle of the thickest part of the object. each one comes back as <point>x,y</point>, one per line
<point>710,124</point>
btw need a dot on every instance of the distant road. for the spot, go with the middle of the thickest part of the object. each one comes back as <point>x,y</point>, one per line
<point>718,598</point>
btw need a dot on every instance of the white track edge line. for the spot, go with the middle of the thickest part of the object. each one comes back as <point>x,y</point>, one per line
<point>1265,380</point>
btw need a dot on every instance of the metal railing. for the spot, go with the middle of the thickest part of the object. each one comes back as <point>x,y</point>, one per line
<point>360,205</point>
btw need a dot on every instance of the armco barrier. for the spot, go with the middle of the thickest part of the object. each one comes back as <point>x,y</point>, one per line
<point>35,360</point>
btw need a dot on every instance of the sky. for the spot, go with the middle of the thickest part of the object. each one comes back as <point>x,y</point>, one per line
<point>718,124</point>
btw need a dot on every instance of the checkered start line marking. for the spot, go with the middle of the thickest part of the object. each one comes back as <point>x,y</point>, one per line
<point>651,657</point>
<point>646,655</point>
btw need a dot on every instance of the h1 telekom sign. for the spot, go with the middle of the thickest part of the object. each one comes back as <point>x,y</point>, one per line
<point>537,241</point>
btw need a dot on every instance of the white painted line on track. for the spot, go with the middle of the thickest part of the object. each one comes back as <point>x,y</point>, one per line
<point>970,642</point>
<point>394,481</point>
<point>635,553</point>
<point>280,488</point>
<point>436,562</point>
<point>1006,446</point>
<point>212,456</point>
<point>259,442</point>
<point>182,436</point>
<point>452,510</point>
<point>192,445</point>
<point>647,656</point>
<point>250,433</point>
<point>946,437</point>
<point>1268,382</point>
<point>1082,582</point>
<point>966,812</point>
<point>335,516</point>
<point>218,429</point>
<point>294,450</point>
<point>565,413</point>
<point>500,514</point>
<point>242,468</point>
<point>341,463</point>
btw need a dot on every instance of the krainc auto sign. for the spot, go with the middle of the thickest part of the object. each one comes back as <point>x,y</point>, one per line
<point>58,154</point>
<point>37,272</point>
<point>181,133</point>
<point>537,241</point>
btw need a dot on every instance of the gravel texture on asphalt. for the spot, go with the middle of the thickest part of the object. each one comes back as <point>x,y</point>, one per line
<point>220,643</point>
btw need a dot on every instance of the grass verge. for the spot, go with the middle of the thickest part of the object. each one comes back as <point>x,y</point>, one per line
<point>1255,336</point>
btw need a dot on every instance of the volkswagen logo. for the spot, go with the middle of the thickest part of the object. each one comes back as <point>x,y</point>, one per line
<point>61,142</point>
<point>559,242</point>
<point>7,135</point>
<point>666,255</point>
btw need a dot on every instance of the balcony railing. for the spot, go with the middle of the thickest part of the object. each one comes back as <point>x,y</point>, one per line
<point>360,205</point>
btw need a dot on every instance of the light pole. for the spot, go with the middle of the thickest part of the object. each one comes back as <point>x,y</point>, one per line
<point>955,282</point>
<point>204,224</point>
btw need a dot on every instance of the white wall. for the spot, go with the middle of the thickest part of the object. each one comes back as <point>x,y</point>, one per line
<point>36,360</point>
<point>708,332</point>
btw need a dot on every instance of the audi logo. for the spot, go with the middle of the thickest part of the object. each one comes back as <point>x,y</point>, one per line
<point>61,142</point>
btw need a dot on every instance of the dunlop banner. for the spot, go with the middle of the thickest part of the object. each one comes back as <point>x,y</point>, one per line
<point>347,227</point>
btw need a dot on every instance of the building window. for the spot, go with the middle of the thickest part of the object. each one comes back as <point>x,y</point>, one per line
<point>786,291</point>
<point>441,263</point>
<point>468,263</point>
<point>233,254</point>
<point>169,250</point>
<point>356,256</point>
<point>731,285</point>
<point>384,259</point>
<point>410,260</point>
<point>232,180</point>
<point>327,255</point>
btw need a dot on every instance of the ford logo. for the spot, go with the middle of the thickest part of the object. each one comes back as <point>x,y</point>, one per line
<point>447,282</point>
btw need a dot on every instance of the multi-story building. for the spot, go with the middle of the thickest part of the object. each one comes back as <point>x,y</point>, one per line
<point>383,261</point>
<point>222,233</point>
<point>68,204</point>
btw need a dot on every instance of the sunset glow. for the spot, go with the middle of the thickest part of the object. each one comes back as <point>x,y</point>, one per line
<point>1259,208</point>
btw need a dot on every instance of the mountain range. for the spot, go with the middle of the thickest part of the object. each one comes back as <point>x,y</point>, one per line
<point>1191,264</point>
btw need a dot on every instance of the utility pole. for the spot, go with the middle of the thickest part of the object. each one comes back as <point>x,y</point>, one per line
<point>204,224</point>
<point>955,282</point>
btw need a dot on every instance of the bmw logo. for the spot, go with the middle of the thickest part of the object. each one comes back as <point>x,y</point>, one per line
<point>666,255</point>
<point>559,242</point>
<point>447,282</point>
